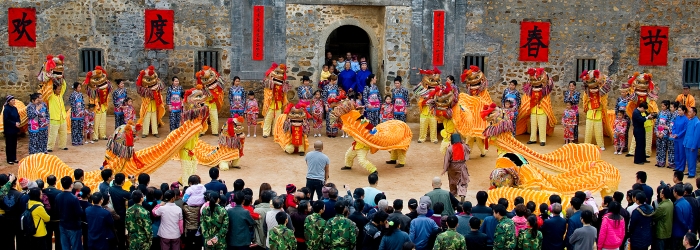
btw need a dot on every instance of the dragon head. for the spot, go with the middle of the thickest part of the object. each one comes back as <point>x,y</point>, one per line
<point>537,77</point>
<point>207,77</point>
<point>491,113</point>
<point>194,98</point>
<point>472,77</point>
<point>148,78</point>
<point>593,80</point>
<point>642,83</point>
<point>296,114</point>
<point>96,79</point>
<point>431,78</point>
<point>235,125</point>
<point>506,173</point>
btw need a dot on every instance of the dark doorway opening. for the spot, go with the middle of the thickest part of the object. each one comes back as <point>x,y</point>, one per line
<point>349,38</point>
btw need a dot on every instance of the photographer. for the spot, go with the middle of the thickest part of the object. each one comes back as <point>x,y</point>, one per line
<point>639,132</point>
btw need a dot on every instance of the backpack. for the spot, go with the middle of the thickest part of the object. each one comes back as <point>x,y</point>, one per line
<point>28,227</point>
<point>9,201</point>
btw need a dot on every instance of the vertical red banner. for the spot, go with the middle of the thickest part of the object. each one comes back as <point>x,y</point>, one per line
<point>158,29</point>
<point>653,46</point>
<point>534,41</point>
<point>21,27</point>
<point>258,32</point>
<point>438,37</point>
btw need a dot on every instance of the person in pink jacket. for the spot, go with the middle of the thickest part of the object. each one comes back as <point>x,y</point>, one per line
<point>612,229</point>
<point>520,219</point>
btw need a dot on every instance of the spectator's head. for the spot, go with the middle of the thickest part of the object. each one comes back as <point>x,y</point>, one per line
<point>531,207</point>
<point>641,177</point>
<point>373,179</point>
<point>576,203</point>
<point>518,200</point>
<point>39,183</point>
<point>51,180</point>
<point>555,198</point>
<point>67,183</point>
<point>532,223</point>
<point>119,179</point>
<point>106,175</point>
<point>643,106</point>
<point>318,206</point>
<point>85,193</point>
<point>438,208</point>
<point>193,180</point>
<point>266,196</point>
<point>340,208</point>
<point>213,199</point>
<point>467,207</point>
<point>96,198</point>
<point>618,197</point>
<point>333,193</point>
<point>137,196</point>
<point>144,179</point>
<point>281,218</point>
<point>359,193</point>
<point>379,197</point>
<point>688,188</point>
<point>451,221</point>
<point>214,173</point>
<point>409,246</point>
<point>304,207</point>
<point>474,223</point>
<point>169,196</point>
<point>690,240</point>
<point>580,195</point>
<point>437,182</point>
<point>499,211</point>
<point>306,191</point>
<point>423,205</point>
<point>586,217</point>
<point>238,197</point>
<point>35,194</point>
<point>380,217</point>
<point>78,174</point>
<point>481,198</point>
<point>263,187</point>
<point>677,176</point>
<point>412,204</point>
<point>614,208</point>
<point>503,201</point>
<point>678,190</point>
<point>239,184</point>
<point>607,200</point>
<point>277,202</point>
<point>544,208</point>
<point>359,204</point>
<point>520,210</point>
<point>556,209</point>
<point>382,205</point>
<point>398,205</point>
<point>318,146</point>
<point>666,192</point>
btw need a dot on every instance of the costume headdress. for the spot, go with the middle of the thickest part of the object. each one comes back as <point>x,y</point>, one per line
<point>537,77</point>
<point>644,79</point>
<point>472,75</point>
<point>95,77</point>
<point>147,78</point>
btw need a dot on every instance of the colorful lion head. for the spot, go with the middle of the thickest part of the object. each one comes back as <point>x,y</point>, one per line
<point>148,78</point>
<point>537,77</point>
<point>96,78</point>
<point>194,97</point>
<point>431,78</point>
<point>296,114</point>
<point>235,125</point>
<point>642,83</point>
<point>53,67</point>
<point>593,80</point>
<point>278,73</point>
<point>473,77</point>
<point>208,77</point>
<point>444,97</point>
<point>506,173</point>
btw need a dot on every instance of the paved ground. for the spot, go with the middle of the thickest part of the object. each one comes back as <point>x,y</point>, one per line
<point>264,161</point>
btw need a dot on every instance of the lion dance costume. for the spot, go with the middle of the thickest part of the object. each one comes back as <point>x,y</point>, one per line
<point>121,145</point>
<point>595,100</point>
<point>229,150</point>
<point>642,87</point>
<point>392,135</point>
<point>537,106</point>
<point>275,95</point>
<point>149,86</point>
<point>477,86</point>
<point>98,90</point>
<point>51,78</point>
<point>431,79</point>
<point>195,105</point>
<point>292,129</point>
<point>443,101</point>
<point>214,92</point>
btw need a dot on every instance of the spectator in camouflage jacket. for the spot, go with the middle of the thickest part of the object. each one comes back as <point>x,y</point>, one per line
<point>214,224</point>
<point>504,237</point>
<point>450,239</point>
<point>138,223</point>
<point>341,232</point>
<point>314,225</point>
<point>281,237</point>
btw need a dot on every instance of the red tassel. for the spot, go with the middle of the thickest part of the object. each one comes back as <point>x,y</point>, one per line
<point>596,74</point>
<point>138,162</point>
<point>474,68</point>
<point>464,75</point>
<point>60,57</point>
<point>583,75</point>
<point>531,71</point>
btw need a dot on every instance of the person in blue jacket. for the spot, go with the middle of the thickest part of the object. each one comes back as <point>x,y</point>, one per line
<point>362,75</point>
<point>682,217</point>
<point>678,134</point>
<point>99,222</point>
<point>691,142</point>
<point>347,79</point>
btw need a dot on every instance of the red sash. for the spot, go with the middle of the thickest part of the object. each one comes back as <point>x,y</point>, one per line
<point>595,100</point>
<point>535,98</point>
<point>297,136</point>
<point>641,99</point>
<point>102,93</point>
<point>157,97</point>
<point>457,152</point>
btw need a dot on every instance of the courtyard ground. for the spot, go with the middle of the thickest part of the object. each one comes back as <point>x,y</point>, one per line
<point>265,161</point>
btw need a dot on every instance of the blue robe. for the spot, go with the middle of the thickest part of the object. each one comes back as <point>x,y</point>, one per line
<point>347,80</point>
<point>362,80</point>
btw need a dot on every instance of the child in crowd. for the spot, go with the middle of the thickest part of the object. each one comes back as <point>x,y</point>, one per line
<point>520,219</point>
<point>664,144</point>
<point>333,70</point>
<point>387,110</point>
<point>620,132</point>
<point>591,202</point>
<point>325,73</point>
<point>317,107</point>
<point>128,109</point>
<point>89,120</point>
<point>194,196</point>
<point>510,113</point>
<point>251,113</point>
<point>569,122</point>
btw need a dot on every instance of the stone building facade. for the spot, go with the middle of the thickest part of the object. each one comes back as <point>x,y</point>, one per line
<point>400,34</point>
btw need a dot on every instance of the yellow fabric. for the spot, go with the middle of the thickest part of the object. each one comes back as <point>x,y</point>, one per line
<point>283,138</point>
<point>213,155</point>
<point>152,106</point>
<point>594,127</point>
<point>325,75</point>
<point>594,114</point>
<point>428,122</point>
<point>361,154</point>
<point>60,132</point>
<point>538,123</point>
<point>56,107</point>
<point>100,126</point>
<point>269,121</point>
<point>425,111</point>
<point>524,114</point>
<point>688,102</point>
<point>146,105</point>
<point>127,185</point>
<point>150,122</point>
<point>648,136</point>
<point>510,193</point>
<point>608,116</point>
<point>289,148</point>
<point>537,110</point>
<point>398,155</point>
<point>40,217</point>
<point>479,144</point>
<point>189,146</point>
<point>214,118</point>
<point>392,134</point>
<point>189,168</point>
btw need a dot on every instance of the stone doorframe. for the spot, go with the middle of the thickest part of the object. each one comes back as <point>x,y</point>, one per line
<point>374,44</point>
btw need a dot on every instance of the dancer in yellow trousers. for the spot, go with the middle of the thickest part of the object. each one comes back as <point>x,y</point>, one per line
<point>595,127</point>
<point>431,79</point>
<point>58,128</point>
<point>188,161</point>
<point>537,88</point>
<point>479,144</point>
<point>538,124</point>
<point>427,121</point>
<point>214,92</point>
<point>149,86</point>
<point>98,89</point>
<point>275,99</point>
<point>595,100</point>
<point>359,151</point>
<point>398,157</point>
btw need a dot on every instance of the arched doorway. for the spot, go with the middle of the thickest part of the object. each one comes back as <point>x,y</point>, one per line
<point>349,38</point>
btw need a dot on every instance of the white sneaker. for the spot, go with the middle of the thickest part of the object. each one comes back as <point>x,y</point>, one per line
<point>602,149</point>
<point>92,142</point>
<point>248,135</point>
<point>255,136</point>
<point>85,143</point>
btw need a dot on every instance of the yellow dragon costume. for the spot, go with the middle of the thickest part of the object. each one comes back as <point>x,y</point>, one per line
<point>214,92</point>
<point>230,148</point>
<point>275,96</point>
<point>292,129</point>
<point>98,89</point>
<point>393,135</point>
<point>431,79</point>
<point>40,166</point>
<point>595,102</point>
<point>477,86</point>
<point>149,86</point>
<point>536,107</point>
<point>642,87</point>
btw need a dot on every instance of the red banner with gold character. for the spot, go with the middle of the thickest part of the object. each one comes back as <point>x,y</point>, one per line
<point>159,29</point>
<point>653,46</point>
<point>21,27</point>
<point>439,37</point>
<point>297,136</point>
<point>534,41</point>
<point>258,32</point>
